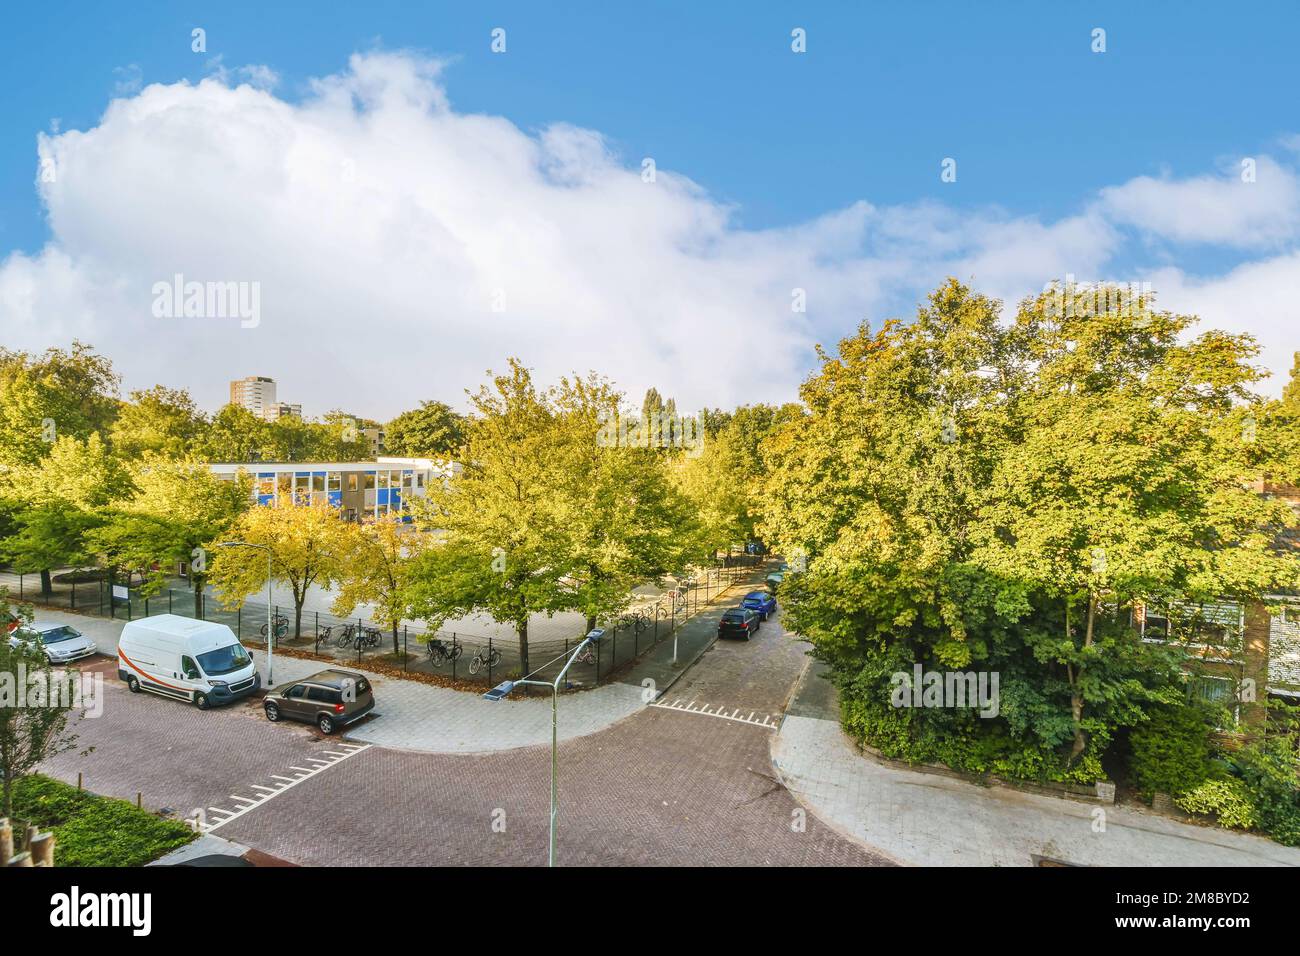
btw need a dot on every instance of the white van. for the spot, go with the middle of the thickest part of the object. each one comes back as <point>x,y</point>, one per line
<point>198,661</point>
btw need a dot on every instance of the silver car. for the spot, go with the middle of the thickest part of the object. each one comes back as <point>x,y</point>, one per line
<point>62,643</point>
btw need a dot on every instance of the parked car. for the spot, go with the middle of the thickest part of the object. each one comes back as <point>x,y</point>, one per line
<point>761,602</point>
<point>738,622</point>
<point>61,643</point>
<point>330,699</point>
<point>774,580</point>
<point>197,661</point>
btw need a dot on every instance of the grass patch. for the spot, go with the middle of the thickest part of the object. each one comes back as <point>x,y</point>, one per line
<point>90,830</point>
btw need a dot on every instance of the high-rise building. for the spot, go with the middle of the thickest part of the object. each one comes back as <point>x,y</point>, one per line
<point>255,393</point>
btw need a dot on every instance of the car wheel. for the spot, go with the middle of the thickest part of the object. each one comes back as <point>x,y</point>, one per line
<point>132,684</point>
<point>325,723</point>
<point>201,701</point>
<point>272,712</point>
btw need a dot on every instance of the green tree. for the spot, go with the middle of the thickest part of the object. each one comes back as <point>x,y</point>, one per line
<point>177,508</point>
<point>376,570</point>
<point>160,421</point>
<point>625,523</point>
<point>34,728</point>
<point>59,498</point>
<point>69,394</point>
<point>433,430</point>
<point>970,493</point>
<point>235,435</point>
<point>307,545</point>
<point>503,545</point>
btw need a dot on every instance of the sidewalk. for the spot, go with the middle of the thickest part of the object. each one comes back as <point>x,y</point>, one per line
<point>932,820</point>
<point>412,715</point>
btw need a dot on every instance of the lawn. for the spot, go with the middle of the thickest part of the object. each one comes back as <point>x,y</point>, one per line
<point>90,830</point>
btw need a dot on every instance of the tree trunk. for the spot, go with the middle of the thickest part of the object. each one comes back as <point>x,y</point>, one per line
<point>47,583</point>
<point>198,595</point>
<point>522,628</point>
<point>396,651</point>
<point>1076,697</point>
<point>297,616</point>
<point>591,623</point>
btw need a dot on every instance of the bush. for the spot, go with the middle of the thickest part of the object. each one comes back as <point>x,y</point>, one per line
<point>1268,769</point>
<point>1172,750</point>
<point>1228,798</point>
<point>90,830</point>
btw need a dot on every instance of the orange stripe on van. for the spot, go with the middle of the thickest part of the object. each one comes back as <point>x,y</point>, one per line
<point>131,664</point>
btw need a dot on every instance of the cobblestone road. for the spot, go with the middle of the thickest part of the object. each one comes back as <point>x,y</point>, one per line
<point>665,786</point>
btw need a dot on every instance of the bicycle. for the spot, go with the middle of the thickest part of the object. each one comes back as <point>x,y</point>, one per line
<point>637,620</point>
<point>586,656</point>
<point>486,657</point>
<point>364,637</point>
<point>281,626</point>
<point>440,653</point>
<point>347,636</point>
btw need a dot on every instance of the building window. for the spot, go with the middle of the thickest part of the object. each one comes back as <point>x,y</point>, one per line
<point>370,481</point>
<point>352,481</point>
<point>336,481</point>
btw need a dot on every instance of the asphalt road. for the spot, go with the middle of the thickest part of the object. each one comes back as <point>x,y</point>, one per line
<point>687,781</point>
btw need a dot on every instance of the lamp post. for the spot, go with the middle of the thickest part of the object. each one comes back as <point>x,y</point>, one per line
<point>270,624</point>
<point>502,690</point>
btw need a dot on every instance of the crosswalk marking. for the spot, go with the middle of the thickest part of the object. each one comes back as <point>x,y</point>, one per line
<point>264,793</point>
<point>720,711</point>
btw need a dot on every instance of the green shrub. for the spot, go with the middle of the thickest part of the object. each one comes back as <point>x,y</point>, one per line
<point>1228,798</point>
<point>1172,750</point>
<point>90,830</point>
<point>1268,769</point>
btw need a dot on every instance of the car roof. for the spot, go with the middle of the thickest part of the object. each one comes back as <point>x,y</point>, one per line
<point>757,594</point>
<point>42,626</point>
<point>332,678</point>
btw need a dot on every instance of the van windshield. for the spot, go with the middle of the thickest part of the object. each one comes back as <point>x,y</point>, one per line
<point>224,660</point>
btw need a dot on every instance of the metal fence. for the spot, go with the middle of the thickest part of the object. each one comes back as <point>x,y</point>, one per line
<point>461,656</point>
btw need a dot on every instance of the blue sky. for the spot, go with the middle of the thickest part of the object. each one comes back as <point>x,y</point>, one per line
<point>1038,123</point>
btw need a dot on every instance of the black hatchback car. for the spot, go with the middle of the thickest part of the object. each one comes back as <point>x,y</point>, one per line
<point>330,699</point>
<point>741,622</point>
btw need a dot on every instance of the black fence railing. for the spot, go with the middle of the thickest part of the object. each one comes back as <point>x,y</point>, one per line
<point>461,656</point>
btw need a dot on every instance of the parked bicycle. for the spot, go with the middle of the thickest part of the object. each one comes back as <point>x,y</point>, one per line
<point>281,626</point>
<point>364,637</point>
<point>587,655</point>
<point>441,652</point>
<point>347,636</point>
<point>486,657</point>
<point>635,621</point>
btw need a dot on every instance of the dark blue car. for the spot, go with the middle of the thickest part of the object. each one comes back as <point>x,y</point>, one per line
<point>761,602</point>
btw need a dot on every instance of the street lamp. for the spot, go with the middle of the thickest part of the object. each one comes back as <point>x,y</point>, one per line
<point>502,691</point>
<point>270,625</point>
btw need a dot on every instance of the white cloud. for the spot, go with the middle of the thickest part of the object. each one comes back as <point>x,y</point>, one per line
<point>383,227</point>
<point>1213,209</point>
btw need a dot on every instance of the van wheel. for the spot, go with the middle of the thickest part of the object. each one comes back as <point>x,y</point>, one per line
<point>325,723</point>
<point>201,701</point>
<point>272,713</point>
<point>132,684</point>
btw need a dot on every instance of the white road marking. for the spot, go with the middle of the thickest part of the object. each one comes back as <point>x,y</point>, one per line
<point>270,793</point>
<point>704,710</point>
